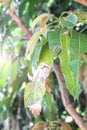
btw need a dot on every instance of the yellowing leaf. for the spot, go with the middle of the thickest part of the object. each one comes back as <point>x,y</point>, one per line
<point>43,27</point>
<point>43,31</point>
<point>39,18</point>
<point>39,126</point>
<point>65,126</point>
<point>58,124</point>
<point>32,44</point>
<point>43,22</point>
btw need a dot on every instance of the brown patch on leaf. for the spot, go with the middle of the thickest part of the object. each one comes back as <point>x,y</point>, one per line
<point>36,108</point>
<point>48,88</point>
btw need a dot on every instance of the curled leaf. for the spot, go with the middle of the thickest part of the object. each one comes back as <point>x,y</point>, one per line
<point>39,18</point>
<point>32,44</point>
<point>35,90</point>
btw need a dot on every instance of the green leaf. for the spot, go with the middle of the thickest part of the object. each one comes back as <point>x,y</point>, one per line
<point>69,21</point>
<point>5,68</point>
<point>71,81</point>
<point>32,44</point>
<point>75,54</point>
<point>14,70</point>
<point>54,42</point>
<point>78,43</point>
<point>37,52</point>
<point>50,110</point>
<point>83,43</point>
<point>45,55</point>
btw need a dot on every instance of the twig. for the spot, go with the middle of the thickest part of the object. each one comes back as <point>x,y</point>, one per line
<point>20,23</point>
<point>65,98</point>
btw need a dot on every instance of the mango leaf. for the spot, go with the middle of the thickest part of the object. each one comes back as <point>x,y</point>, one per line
<point>65,126</point>
<point>69,21</point>
<point>43,27</point>
<point>61,38</point>
<point>50,110</point>
<point>37,52</point>
<point>69,60</point>
<point>39,18</point>
<point>39,126</point>
<point>52,125</point>
<point>58,124</point>
<point>32,44</point>
<point>78,43</point>
<point>45,55</point>
<point>43,22</point>
<point>74,62</point>
<point>54,42</point>
<point>35,90</point>
<point>83,43</point>
<point>64,62</point>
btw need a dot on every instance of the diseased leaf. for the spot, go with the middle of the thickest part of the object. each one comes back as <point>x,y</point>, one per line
<point>39,18</point>
<point>54,42</point>
<point>32,44</point>
<point>43,27</point>
<point>69,57</point>
<point>52,125</point>
<point>35,90</point>
<point>58,124</point>
<point>39,126</point>
<point>65,126</point>
<point>43,22</point>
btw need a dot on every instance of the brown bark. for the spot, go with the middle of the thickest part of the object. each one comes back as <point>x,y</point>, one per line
<point>65,98</point>
<point>83,2</point>
<point>20,23</point>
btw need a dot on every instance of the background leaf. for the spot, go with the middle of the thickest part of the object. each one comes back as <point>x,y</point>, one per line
<point>69,21</point>
<point>50,110</point>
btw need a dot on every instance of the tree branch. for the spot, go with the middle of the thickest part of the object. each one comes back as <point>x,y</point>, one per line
<point>65,98</point>
<point>83,2</point>
<point>20,23</point>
